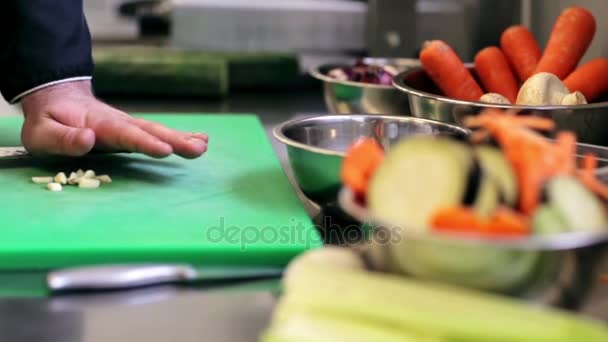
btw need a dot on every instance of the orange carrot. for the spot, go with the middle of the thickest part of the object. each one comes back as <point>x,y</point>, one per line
<point>504,222</point>
<point>360,163</point>
<point>591,79</point>
<point>495,73</point>
<point>445,68</point>
<point>569,40</point>
<point>522,50</point>
<point>589,178</point>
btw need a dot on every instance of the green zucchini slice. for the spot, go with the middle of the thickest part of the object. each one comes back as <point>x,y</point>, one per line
<point>494,163</point>
<point>419,176</point>
<point>581,209</point>
<point>547,220</point>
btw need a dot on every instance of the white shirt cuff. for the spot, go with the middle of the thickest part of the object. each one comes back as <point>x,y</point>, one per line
<point>27,92</point>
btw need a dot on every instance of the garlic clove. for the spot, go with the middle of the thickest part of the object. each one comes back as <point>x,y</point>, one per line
<point>104,178</point>
<point>79,173</point>
<point>61,178</point>
<point>42,180</point>
<point>54,187</point>
<point>89,183</point>
<point>89,174</point>
<point>73,179</point>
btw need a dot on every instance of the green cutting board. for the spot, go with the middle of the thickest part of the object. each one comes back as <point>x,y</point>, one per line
<point>234,205</point>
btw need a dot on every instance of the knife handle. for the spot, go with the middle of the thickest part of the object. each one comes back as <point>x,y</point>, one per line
<point>118,276</point>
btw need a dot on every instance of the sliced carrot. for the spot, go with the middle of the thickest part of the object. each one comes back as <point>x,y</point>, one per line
<point>495,73</point>
<point>506,221</point>
<point>589,177</point>
<point>569,40</point>
<point>457,219</point>
<point>566,154</point>
<point>446,69</point>
<point>361,161</point>
<point>591,79</point>
<point>522,50</point>
<point>460,219</point>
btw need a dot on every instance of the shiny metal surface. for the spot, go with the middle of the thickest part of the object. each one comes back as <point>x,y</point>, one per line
<point>345,97</point>
<point>588,121</point>
<point>556,270</point>
<point>316,146</point>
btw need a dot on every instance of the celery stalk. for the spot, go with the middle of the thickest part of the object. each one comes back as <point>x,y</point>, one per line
<point>453,314</point>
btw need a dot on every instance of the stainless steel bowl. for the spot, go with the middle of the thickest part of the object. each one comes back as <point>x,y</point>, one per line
<point>589,121</point>
<point>345,97</point>
<point>556,270</point>
<point>316,146</point>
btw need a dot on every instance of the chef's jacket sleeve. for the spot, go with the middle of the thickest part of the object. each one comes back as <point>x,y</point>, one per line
<point>43,42</point>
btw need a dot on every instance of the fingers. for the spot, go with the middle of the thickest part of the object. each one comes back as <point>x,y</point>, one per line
<point>43,136</point>
<point>119,134</point>
<point>187,145</point>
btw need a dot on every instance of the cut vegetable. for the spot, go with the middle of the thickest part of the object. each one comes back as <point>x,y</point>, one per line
<point>494,163</point>
<point>54,187</point>
<point>580,208</point>
<point>61,178</point>
<point>104,178</point>
<point>42,180</point>
<point>488,196</point>
<point>418,176</point>
<point>547,220</point>
<point>73,179</point>
<point>447,312</point>
<point>89,174</point>
<point>88,183</point>
<point>360,163</point>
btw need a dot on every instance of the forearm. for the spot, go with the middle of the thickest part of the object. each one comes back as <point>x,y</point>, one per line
<point>46,42</point>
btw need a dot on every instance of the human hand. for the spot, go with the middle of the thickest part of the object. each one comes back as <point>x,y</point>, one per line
<point>67,119</point>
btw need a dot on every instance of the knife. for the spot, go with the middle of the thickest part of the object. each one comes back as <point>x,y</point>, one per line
<point>13,152</point>
<point>125,276</point>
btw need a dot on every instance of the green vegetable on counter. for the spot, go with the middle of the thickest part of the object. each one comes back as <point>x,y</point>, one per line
<point>324,302</point>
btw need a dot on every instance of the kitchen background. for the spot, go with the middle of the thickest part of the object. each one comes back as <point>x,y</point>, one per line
<point>244,45</point>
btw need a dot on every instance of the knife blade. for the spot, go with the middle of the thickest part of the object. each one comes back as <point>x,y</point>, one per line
<point>13,152</point>
<point>125,276</point>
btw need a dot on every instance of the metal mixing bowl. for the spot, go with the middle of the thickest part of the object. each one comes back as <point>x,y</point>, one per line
<point>556,270</point>
<point>589,121</point>
<point>316,146</point>
<point>346,97</point>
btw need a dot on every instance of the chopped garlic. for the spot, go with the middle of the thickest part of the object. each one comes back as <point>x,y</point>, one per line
<point>73,179</point>
<point>61,178</point>
<point>89,183</point>
<point>42,180</point>
<point>104,178</point>
<point>89,174</point>
<point>55,187</point>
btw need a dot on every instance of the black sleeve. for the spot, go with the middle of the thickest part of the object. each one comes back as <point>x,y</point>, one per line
<point>42,41</point>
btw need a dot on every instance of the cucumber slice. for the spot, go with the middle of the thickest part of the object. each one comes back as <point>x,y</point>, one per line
<point>580,208</point>
<point>494,163</point>
<point>488,196</point>
<point>418,176</point>
<point>547,220</point>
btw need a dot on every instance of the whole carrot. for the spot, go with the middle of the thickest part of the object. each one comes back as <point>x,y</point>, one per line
<point>495,73</point>
<point>591,79</point>
<point>447,70</point>
<point>569,40</point>
<point>522,50</point>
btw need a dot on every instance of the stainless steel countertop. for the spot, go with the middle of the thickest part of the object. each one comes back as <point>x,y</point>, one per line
<point>228,313</point>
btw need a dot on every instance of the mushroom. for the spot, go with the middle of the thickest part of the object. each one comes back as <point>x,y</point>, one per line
<point>542,89</point>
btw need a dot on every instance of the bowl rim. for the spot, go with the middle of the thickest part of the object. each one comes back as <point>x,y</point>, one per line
<point>278,134</point>
<point>554,242</point>
<point>398,82</point>
<point>320,75</point>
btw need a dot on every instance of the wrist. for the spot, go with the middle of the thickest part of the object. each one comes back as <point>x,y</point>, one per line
<point>44,95</point>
